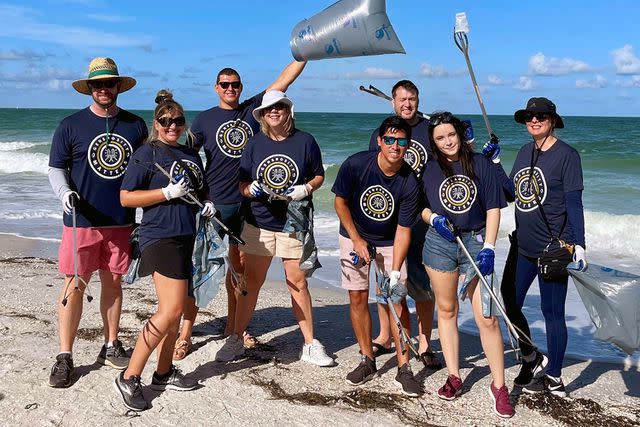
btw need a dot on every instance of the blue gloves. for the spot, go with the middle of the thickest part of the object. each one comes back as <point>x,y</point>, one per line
<point>491,150</point>
<point>443,226</point>
<point>580,257</point>
<point>485,259</point>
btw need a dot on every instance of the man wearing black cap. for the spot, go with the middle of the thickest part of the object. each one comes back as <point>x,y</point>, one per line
<point>89,154</point>
<point>546,184</point>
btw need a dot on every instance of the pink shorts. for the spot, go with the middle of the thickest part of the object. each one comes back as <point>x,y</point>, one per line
<point>356,278</point>
<point>100,248</point>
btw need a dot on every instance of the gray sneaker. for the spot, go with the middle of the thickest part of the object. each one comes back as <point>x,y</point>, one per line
<point>407,382</point>
<point>62,371</point>
<point>233,347</point>
<point>131,392</point>
<point>114,356</point>
<point>172,380</point>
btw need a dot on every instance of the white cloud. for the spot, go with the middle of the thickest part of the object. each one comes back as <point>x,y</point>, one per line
<point>112,19</point>
<point>376,73</point>
<point>525,84</point>
<point>540,65</point>
<point>23,55</point>
<point>494,80</point>
<point>29,27</point>
<point>625,60</point>
<point>597,82</point>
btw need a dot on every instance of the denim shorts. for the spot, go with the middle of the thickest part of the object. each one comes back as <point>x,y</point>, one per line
<point>442,255</point>
<point>232,216</point>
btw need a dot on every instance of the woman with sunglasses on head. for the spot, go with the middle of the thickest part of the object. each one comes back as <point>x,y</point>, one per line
<point>463,199</point>
<point>166,239</point>
<point>546,183</point>
<point>278,165</point>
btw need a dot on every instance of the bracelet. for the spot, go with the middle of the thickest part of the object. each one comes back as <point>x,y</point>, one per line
<point>488,245</point>
<point>309,188</point>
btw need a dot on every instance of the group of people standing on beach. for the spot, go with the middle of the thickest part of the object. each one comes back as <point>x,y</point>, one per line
<point>419,204</point>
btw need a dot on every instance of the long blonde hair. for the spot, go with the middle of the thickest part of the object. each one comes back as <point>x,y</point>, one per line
<point>289,123</point>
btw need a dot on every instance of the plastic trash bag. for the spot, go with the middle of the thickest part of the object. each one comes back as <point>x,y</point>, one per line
<point>612,299</point>
<point>344,29</point>
<point>209,268</point>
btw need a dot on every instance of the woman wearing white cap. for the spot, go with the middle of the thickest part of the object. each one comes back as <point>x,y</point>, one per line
<point>279,164</point>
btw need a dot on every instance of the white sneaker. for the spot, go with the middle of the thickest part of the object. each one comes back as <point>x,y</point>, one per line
<point>315,353</point>
<point>233,347</point>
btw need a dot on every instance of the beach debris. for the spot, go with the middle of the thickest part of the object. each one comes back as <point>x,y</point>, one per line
<point>30,406</point>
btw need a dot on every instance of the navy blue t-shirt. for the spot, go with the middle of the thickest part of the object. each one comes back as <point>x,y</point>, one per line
<point>420,150</point>
<point>224,135</point>
<point>463,200</point>
<point>171,218</point>
<point>378,203</point>
<point>96,164</point>
<point>279,165</point>
<point>557,171</point>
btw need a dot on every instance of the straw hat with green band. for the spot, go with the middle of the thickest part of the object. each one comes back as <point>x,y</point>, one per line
<point>103,68</point>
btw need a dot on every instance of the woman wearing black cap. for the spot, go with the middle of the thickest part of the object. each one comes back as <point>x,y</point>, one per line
<point>546,183</point>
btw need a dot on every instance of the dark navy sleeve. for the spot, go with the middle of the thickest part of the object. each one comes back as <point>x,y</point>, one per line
<point>572,173</point>
<point>373,142</point>
<point>492,189</point>
<point>196,138</point>
<point>137,176</point>
<point>408,214</point>
<point>252,103</point>
<point>246,163</point>
<point>315,160</point>
<point>505,182</point>
<point>61,155</point>
<point>344,183</point>
<point>575,216</point>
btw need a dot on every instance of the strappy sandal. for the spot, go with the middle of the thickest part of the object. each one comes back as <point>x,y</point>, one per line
<point>430,360</point>
<point>182,348</point>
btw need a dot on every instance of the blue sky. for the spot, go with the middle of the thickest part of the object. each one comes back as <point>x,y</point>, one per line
<point>584,55</point>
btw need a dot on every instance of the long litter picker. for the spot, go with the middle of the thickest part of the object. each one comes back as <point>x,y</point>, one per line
<point>512,328</point>
<point>76,277</point>
<point>460,32</point>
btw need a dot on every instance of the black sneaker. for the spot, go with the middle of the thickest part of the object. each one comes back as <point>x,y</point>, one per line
<point>363,372</point>
<point>62,371</point>
<point>546,384</point>
<point>114,356</point>
<point>172,380</point>
<point>406,381</point>
<point>131,392</point>
<point>530,370</point>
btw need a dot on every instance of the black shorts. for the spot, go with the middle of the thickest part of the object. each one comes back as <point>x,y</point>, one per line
<point>170,257</point>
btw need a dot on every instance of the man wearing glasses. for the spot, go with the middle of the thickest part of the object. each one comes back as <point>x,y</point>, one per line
<point>376,199</point>
<point>223,132</point>
<point>405,103</point>
<point>90,151</point>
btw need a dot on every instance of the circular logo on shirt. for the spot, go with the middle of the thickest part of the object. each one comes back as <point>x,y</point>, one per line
<point>525,187</point>
<point>457,193</point>
<point>177,169</point>
<point>108,155</point>
<point>278,172</point>
<point>377,203</point>
<point>416,156</point>
<point>232,137</point>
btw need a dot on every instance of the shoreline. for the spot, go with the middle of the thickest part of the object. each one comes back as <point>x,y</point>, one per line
<point>270,385</point>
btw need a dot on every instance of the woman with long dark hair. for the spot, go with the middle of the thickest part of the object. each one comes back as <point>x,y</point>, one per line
<point>464,200</point>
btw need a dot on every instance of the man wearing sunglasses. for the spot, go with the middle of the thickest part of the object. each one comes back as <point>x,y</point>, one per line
<point>90,151</point>
<point>376,199</point>
<point>405,101</point>
<point>223,131</point>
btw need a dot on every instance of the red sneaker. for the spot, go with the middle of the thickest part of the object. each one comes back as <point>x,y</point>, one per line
<point>501,404</point>
<point>451,389</point>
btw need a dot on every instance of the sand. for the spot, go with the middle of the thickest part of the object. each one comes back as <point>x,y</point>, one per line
<point>269,386</point>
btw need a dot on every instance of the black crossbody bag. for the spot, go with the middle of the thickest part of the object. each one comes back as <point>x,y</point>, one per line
<point>552,264</point>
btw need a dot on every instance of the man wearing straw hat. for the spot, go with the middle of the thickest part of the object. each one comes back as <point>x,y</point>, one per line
<point>89,154</point>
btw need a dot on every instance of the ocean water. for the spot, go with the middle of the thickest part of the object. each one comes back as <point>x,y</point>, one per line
<point>609,148</point>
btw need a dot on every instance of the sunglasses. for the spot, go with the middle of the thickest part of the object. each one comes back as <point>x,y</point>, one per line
<point>107,84</point>
<point>166,122</point>
<point>440,118</point>
<point>277,106</point>
<point>225,85</point>
<point>390,140</point>
<point>541,117</point>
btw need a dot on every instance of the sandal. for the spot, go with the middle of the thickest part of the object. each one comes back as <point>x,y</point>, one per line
<point>182,348</point>
<point>379,349</point>
<point>430,360</point>
<point>249,341</point>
